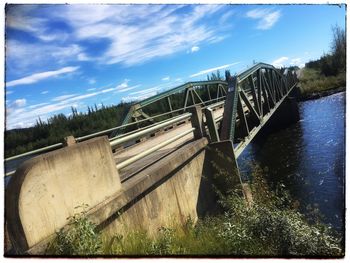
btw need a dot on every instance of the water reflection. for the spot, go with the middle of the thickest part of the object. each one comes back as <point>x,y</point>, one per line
<point>308,157</point>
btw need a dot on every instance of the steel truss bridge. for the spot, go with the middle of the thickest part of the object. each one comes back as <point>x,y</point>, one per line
<point>232,111</point>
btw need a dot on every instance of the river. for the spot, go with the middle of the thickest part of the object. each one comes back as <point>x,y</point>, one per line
<point>308,157</point>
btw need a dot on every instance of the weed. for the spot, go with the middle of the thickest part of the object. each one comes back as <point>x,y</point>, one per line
<point>79,238</point>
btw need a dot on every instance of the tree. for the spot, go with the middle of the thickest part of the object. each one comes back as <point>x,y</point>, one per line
<point>335,62</point>
<point>338,48</point>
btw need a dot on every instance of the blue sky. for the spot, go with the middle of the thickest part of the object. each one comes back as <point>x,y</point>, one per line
<point>59,56</point>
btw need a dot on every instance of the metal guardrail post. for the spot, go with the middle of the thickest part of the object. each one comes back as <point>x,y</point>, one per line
<point>211,123</point>
<point>197,121</point>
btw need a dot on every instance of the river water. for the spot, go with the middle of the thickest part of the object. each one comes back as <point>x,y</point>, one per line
<point>308,157</point>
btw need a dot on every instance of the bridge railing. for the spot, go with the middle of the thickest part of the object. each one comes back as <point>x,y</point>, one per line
<point>196,122</point>
<point>252,98</point>
<point>129,137</point>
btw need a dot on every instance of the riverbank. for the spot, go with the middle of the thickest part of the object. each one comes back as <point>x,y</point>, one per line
<point>314,85</point>
<point>320,94</point>
<point>270,227</point>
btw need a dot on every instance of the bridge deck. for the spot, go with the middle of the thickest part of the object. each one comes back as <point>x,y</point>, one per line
<point>150,142</point>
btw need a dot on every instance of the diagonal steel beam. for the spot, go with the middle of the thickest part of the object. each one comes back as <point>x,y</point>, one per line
<point>243,120</point>
<point>253,92</point>
<point>244,97</point>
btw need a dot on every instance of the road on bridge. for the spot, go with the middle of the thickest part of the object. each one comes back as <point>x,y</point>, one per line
<point>152,141</point>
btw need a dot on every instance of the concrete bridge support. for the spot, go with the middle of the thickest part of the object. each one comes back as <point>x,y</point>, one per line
<point>46,190</point>
<point>286,114</point>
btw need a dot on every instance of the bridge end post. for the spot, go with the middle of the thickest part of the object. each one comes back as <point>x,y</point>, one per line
<point>197,121</point>
<point>212,127</point>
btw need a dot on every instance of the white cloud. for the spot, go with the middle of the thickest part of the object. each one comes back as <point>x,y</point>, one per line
<point>297,62</point>
<point>203,72</point>
<point>37,105</point>
<point>64,97</point>
<point>83,57</point>
<point>286,61</point>
<point>133,43</point>
<point>20,102</point>
<point>108,90</point>
<point>91,81</point>
<point>91,89</point>
<point>123,85</point>
<point>40,76</point>
<point>138,98</point>
<point>145,91</point>
<point>280,62</point>
<point>194,49</point>
<point>133,33</point>
<point>266,17</point>
<point>166,78</point>
<point>128,88</point>
<point>22,56</point>
<point>226,16</point>
<point>44,92</point>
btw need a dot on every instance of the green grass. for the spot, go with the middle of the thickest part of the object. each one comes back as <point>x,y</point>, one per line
<point>271,226</point>
<point>312,81</point>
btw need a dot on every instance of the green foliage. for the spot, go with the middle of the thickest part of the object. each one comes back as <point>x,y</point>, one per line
<point>269,227</point>
<point>80,238</point>
<point>328,72</point>
<point>215,76</point>
<point>334,63</point>
<point>313,81</point>
<point>57,127</point>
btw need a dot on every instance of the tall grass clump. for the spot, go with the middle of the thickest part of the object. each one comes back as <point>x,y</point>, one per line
<point>312,81</point>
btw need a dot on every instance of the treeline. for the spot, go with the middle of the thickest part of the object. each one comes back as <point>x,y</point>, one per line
<point>333,63</point>
<point>326,75</point>
<point>52,131</point>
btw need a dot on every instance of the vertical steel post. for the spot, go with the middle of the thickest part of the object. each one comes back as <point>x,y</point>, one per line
<point>192,96</point>
<point>259,93</point>
<point>169,103</point>
<point>230,110</point>
<point>186,98</point>
<point>243,120</point>
<point>211,124</point>
<point>208,92</point>
<point>197,121</point>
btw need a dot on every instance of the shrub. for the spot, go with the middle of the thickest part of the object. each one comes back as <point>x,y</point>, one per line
<point>269,227</point>
<point>80,238</point>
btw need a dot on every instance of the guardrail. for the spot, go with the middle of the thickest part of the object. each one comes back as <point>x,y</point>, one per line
<point>153,149</point>
<point>150,130</point>
<point>118,140</point>
<point>157,127</point>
